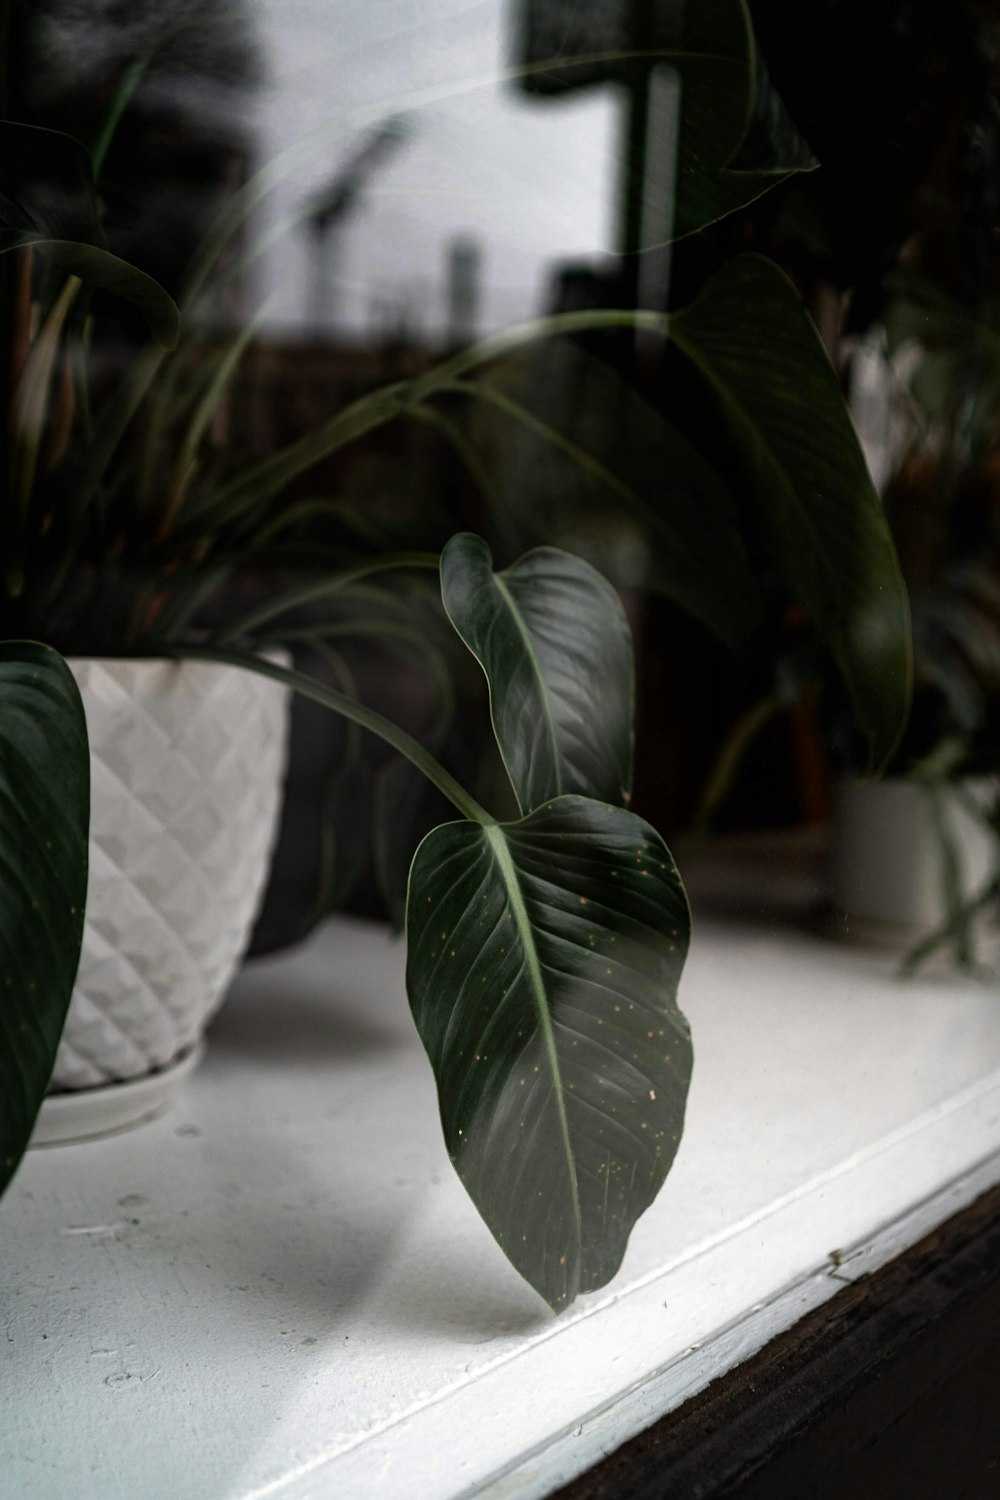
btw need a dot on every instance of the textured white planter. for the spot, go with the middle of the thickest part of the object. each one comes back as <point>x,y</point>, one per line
<point>886,858</point>
<point>187,762</point>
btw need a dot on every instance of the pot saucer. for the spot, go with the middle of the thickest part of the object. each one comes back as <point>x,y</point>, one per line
<point>84,1113</point>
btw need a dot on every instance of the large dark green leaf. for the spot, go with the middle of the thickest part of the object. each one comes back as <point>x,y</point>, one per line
<point>552,637</point>
<point>44,820</point>
<point>735,139</point>
<point>47,185</point>
<point>772,142</point>
<point>581,456</point>
<point>780,407</point>
<point>543,964</point>
<point>48,201</point>
<point>105,272</point>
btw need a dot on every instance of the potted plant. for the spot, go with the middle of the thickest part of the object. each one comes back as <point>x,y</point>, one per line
<point>545,943</point>
<point>929,857</point>
<point>543,940</point>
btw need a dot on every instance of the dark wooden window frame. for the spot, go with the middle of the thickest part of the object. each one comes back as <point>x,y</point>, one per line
<point>891,1390</point>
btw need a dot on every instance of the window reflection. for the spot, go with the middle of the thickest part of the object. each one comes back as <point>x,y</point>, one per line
<point>424,145</point>
<point>342,195</point>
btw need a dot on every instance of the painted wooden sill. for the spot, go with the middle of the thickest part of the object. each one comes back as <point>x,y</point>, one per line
<point>281,1290</point>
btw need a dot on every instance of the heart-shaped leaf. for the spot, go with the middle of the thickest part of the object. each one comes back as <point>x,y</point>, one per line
<point>552,637</point>
<point>543,963</point>
<point>780,410</point>
<point>734,138</point>
<point>44,821</point>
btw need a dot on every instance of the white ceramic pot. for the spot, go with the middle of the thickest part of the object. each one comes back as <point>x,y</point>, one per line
<point>187,763</point>
<point>886,866</point>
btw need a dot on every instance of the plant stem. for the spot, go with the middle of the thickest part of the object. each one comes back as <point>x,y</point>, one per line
<point>342,673</point>
<point>185,602</point>
<point>958,919</point>
<point>557,324</point>
<point>729,759</point>
<point>482,390</point>
<point>313,592</point>
<point>358,713</point>
<point>123,95</point>
<point>918,955</point>
<point>116,417</point>
<point>379,407</point>
<point>306,510</point>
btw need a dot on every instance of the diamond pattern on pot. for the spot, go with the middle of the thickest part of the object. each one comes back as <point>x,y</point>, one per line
<point>187,762</point>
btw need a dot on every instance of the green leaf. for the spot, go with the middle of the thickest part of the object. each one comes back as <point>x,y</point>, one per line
<point>582,455</point>
<point>44,818</point>
<point>552,637</point>
<point>543,964</point>
<point>48,201</point>
<point>772,142</point>
<point>47,185</point>
<point>736,138</point>
<point>30,406</point>
<point>105,272</point>
<point>780,409</point>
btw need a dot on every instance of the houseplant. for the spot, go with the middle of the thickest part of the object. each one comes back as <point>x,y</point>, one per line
<point>553,641</point>
<point>544,948</point>
<point>939,355</point>
<point>182,816</point>
<point>895,236</point>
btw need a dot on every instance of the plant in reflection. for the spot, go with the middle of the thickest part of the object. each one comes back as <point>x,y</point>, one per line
<point>937,353</point>
<point>547,931</point>
<point>894,237</point>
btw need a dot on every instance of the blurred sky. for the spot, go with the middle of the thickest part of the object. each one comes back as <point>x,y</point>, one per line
<point>531,179</point>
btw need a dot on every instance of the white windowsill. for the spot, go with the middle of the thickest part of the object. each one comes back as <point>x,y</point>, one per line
<point>280,1289</point>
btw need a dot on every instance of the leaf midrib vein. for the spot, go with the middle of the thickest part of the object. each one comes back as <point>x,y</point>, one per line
<point>508,873</point>
<point>536,668</point>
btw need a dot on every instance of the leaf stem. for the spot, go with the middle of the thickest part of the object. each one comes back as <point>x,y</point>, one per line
<point>382,406</point>
<point>312,593</point>
<point>123,96</point>
<point>350,708</point>
<point>729,759</point>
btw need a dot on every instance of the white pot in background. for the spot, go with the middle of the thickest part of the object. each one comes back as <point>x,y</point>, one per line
<point>187,763</point>
<point>886,870</point>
